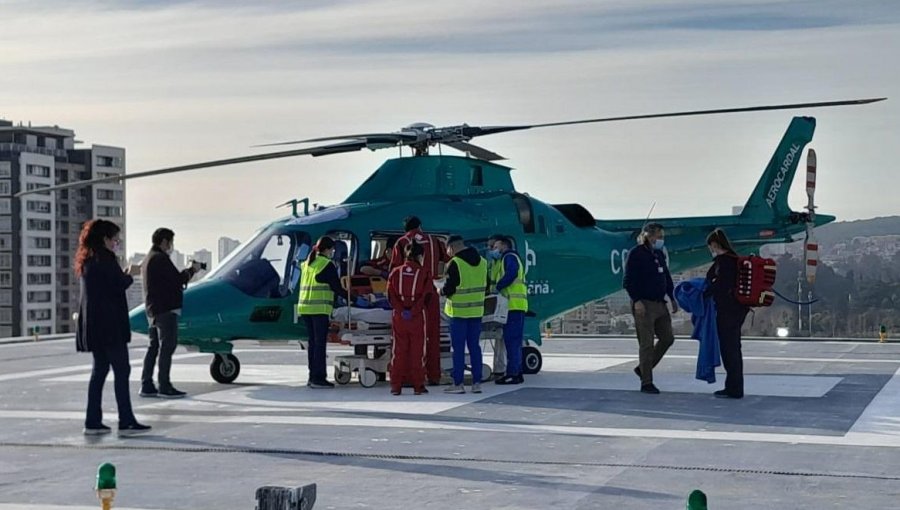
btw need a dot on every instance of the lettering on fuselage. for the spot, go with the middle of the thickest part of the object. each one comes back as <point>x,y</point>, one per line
<point>539,288</point>
<point>617,260</point>
<point>782,172</point>
<point>530,257</point>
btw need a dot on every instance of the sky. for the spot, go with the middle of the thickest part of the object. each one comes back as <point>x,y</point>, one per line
<point>176,82</point>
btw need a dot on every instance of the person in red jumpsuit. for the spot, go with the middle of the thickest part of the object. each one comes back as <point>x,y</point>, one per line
<point>435,252</point>
<point>409,290</point>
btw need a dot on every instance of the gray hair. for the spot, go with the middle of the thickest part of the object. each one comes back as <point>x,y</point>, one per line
<point>650,229</point>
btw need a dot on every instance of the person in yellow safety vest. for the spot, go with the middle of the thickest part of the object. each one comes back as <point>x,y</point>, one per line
<point>319,284</point>
<point>466,282</point>
<point>508,280</point>
<point>882,334</point>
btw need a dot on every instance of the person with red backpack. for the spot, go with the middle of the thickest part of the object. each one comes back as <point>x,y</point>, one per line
<point>722,280</point>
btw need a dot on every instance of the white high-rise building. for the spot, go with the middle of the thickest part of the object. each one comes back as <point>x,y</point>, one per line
<point>226,246</point>
<point>39,233</point>
<point>204,257</point>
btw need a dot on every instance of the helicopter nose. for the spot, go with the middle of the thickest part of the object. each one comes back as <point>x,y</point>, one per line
<point>138,320</point>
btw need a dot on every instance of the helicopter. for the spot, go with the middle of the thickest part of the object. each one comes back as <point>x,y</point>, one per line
<point>252,294</point>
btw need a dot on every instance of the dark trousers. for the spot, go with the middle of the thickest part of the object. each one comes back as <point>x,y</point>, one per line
<point>655,321</point>
<point>163,341</point>
<point>317,332</point>
<point>115,356</point>
<point>466,333</point>
<point>728,325</point>
<point>513,331</point>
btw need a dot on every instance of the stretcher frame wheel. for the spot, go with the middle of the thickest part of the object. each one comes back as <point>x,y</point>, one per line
<point>225,368</point>
<point>532,360</point>
<point>368,378</point>
<point>486,372</point>
<point>342,376</point>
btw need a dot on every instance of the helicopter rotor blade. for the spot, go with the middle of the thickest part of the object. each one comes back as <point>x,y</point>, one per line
<point>475,151</point>
<point>370,137</point>
<point>310,151</point>
<point>490,130</point>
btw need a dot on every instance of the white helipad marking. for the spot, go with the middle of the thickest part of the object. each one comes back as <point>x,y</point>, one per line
<point>861,439</point>
<point>20,506</point>
<point>882,415</point>
<point>81,368</point>
<point>562,372</point>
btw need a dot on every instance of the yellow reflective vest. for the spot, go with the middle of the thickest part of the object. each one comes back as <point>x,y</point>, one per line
<point>315,298</point>
<point>516,292</point>
<point>468,300</point>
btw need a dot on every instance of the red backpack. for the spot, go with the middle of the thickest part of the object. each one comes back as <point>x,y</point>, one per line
<point>755,278</point>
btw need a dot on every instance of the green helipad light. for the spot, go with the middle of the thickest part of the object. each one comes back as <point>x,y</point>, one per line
<point>106,476</point>
<point>697,501</point>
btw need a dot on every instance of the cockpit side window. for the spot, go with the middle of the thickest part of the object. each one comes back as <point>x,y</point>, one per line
<point>268,265</point>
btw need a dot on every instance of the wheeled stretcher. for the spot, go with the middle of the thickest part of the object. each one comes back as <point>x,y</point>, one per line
<point>369,332</point>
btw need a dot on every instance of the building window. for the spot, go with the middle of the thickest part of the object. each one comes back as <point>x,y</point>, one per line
<point>39,278</point>
<point>5,242</point>
<point>39,315</point>
<point>64,193</point>
<point>109,161</point>
<point>63,210</point>
<point>62,176</point>
<point>6,297</point>
<point>36,206</point>
<point>63,278</point>
<point>43,225</point>
<point>5,315</point>
<point>39,296</point>
<point>103,210</point>
<point>31,186</point>
<point>37,170</point>
<point>5,223</point>
<point>5,169</point>
<point>5,188</point>
<point>5,260</point>
<point>62,227</point>
<point>40,242</point>
<point>106,175</point>
<point>5,279</point>
<point>5,206</point>
<point>38,260</point>
<point>63,261</point>
<point>63,244</point>
<point>109,194</point>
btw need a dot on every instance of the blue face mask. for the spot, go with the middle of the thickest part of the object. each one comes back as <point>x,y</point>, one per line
<point>494,254</point>
<point>658,244</point>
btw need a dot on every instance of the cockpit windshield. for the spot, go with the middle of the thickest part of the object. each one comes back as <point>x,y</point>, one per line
<point>268,265</point>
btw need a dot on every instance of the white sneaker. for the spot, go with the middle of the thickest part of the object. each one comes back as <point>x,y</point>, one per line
<point>455,389</point>
<point>476,388</point>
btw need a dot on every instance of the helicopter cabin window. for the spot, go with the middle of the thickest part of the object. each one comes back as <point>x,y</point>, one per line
<point>477,175</point>
<point>525,212</point>
<point>267,266</point>
<point>380,253</point>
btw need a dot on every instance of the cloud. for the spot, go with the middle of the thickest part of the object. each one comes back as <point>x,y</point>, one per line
<point>176,82</point>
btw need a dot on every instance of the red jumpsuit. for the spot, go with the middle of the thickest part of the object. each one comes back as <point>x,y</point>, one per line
<point>409,289</point>
<point>435,253</point>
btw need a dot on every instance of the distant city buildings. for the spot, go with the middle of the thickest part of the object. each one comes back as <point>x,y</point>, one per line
<point>39,233</point>
<point>226,246</point>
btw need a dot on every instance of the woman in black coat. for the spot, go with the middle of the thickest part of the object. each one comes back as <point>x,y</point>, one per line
<point>103,327</point>
<point>730,314</point>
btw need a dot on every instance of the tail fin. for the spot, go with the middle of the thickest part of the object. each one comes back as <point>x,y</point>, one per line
<point>770,198</point>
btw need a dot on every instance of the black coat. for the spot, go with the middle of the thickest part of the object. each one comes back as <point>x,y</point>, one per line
<point>103,309</point>
<point>163,283</point>
<point>721,283</point>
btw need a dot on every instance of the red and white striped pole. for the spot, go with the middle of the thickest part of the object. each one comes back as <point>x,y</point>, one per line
<point>811,246</point>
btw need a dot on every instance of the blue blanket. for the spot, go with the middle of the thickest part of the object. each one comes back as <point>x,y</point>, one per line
<point>689,295</point>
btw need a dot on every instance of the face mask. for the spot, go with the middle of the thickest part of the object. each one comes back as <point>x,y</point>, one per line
<point>658,244</point>
<point>494,254</point>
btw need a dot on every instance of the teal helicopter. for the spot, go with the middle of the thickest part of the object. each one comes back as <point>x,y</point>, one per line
<point>252,294</point>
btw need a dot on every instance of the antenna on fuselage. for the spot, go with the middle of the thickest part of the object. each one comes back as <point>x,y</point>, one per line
<point>647,219</point>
